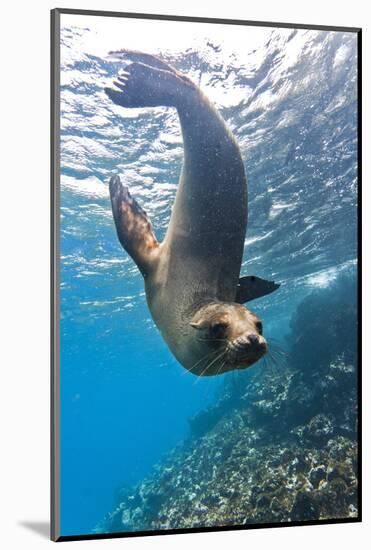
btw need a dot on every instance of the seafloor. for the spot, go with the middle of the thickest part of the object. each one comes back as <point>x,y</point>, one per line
<point>277,446</point>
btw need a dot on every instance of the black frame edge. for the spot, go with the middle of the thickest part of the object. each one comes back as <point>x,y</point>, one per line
<point>196,19</point>
<point>191,530</point>
<point>54,274</point>
<point>359,266</point>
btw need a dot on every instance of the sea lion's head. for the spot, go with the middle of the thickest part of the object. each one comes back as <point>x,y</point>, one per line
<point>227,336</point>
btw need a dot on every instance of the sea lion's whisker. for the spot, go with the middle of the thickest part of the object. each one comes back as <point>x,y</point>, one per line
<point>279,352</point>
<point>208,355</point>
<point>210,365</point>
<point>188,371</point>
<point>204,358</point>
<point>275,353</point>
<point>221,367</point>
<point>278,362</point>
<point>212,339</point>
<point>277,345</point>
<point>280,358</point>
<point>273,358</point>
<point>270,365</point>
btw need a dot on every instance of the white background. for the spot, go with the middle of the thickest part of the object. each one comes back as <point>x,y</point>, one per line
<point>24,302</point>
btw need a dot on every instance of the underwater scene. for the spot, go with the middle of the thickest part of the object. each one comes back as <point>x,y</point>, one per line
<point>146,444</point>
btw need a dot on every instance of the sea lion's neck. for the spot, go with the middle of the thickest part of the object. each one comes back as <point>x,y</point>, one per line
<point>199,300</point>
<point>173,306</point>
<point>203,128</point>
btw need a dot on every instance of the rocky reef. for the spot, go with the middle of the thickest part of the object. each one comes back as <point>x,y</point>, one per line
<point>277,446</point>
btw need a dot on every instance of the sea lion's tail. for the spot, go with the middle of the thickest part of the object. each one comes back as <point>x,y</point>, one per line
<point>147,82</point>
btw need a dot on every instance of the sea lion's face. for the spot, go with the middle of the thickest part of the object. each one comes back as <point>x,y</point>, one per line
<point>227,336</point>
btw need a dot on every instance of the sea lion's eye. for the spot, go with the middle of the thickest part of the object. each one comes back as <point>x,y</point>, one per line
<point>217,330</point>
<point>259,327</point>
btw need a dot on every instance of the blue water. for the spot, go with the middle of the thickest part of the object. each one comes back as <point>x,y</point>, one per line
<point>290,99</point>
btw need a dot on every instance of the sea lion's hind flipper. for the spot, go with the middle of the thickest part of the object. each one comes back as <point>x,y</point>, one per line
<point>141,85</point>
<point>146,58</point>
<point>252,287</point>
<point>133,227</point>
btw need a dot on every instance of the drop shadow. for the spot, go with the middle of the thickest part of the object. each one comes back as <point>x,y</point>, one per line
<point>42,528</point>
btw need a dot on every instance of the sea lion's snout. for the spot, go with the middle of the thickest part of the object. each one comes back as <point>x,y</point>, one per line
<point>248,348</point>
<point>256,342</point>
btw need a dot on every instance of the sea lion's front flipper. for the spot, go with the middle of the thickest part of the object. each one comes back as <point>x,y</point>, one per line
<point>133,227</point>
<point>252,287</point>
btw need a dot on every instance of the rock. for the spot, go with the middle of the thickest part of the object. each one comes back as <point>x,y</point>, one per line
<point>305,507</point>
<point>316,475</point>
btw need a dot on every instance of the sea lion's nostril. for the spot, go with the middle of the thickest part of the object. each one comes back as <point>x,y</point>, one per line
<point>253,339</point>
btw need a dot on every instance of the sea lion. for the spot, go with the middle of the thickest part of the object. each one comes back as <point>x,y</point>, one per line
<point>192,279</point>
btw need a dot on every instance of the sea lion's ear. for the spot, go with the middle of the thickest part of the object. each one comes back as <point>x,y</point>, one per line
<point>252,287</point>
<point>133,227</point>
<point>200,324</point>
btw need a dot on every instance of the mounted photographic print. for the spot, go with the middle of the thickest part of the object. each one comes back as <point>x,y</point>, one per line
<point>205,274</point>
